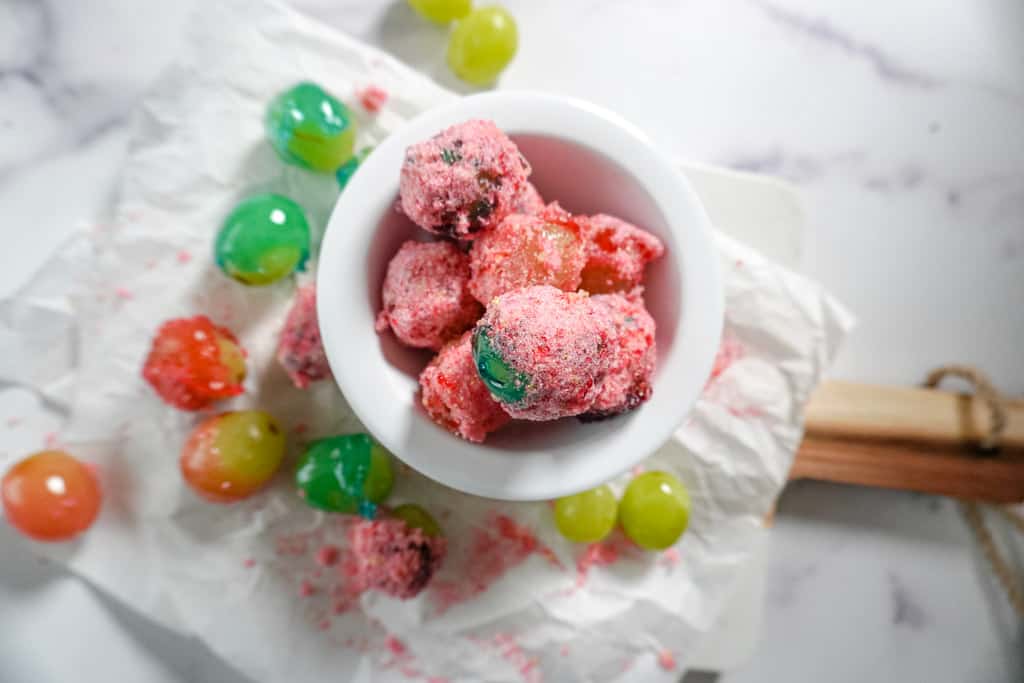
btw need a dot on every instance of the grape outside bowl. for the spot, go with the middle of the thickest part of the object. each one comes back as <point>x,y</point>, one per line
<point>591,161</point>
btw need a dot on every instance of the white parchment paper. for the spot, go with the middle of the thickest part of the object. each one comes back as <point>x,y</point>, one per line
<point>232,575</point>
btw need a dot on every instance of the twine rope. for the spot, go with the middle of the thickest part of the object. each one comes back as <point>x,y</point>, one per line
<point>973,512</point>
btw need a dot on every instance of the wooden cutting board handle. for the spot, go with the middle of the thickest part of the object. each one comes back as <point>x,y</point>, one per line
<point>915,439</point>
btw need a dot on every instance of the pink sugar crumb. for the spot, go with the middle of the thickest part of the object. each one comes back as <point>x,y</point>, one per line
<point>51,440</point>
<point>495,549</point>
<point>124,294</point>
<point>437,679</point>
<point>306,589</point>
<point>396,646</point>
<point>729,352</point>
<point>670,557</point>
<point>248,563</point>
<point>184,256</point>
<point>328,555</point>
<point>324,625</point>
<point>300,350</point>
<point>666,660</point>
<point>564,650</point>
<point>13,421</point>
<point>455,397</point>
<point>372,98</point>
<point>637,470</point>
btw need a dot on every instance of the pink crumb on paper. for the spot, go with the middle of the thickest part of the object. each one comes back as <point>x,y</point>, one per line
<point>184,256</point>
<point>396,646</point>
<point>13,421</point>
<point>324,624</point>
<point>437,679</point>
<point>729,352</point>
<point>510,650</point>
<point>496,548</point>
<point>564,650</point>
<point>248,563</point>
<point>666,660</point>
<point>51,440</point>
<point>306,588</point>
<point>638,470</point>
<point>328,555</point>
<point>373,97</point>
<point>596,555</point>
<point>123,293</point>
<point>670,558</point>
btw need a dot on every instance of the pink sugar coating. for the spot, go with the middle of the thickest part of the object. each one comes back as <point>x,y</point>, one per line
<point>628,382</point>
<point>455,397</point>
<point>561,341</point>
<point>426,296</point>
<point>529,200</point>
<point>617,253</point>
<point>523,250</point>
<point>666,660</point>
<point>386,555</point>
<point>497,547</point>
<point>463,180</point>
<point>300,350</point>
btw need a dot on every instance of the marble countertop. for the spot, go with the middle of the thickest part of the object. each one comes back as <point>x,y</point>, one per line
<point>903,129</point>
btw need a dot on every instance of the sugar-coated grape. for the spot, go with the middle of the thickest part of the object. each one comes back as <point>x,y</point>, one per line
<point>482,44</point>
<point>194,363</point>
<point>233,455</point>
<point>522,250</point>
<point>442,11</point>
<point>655,510</point>
<point>50,496</point>
<point>264,239</point>
<point>349,473</point>
<point>416,517</point>
<point>587,517</point>
<point>309,127</point>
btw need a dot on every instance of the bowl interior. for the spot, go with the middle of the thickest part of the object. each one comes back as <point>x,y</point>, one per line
<point>583,181</point>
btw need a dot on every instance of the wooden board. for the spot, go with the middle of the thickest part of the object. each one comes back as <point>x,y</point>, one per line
<point>907,438</point>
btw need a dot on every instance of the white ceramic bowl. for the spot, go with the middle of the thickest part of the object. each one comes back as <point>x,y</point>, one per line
<point>590,161</point>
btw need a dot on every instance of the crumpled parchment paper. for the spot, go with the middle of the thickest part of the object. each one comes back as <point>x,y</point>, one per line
<point>244,578</point>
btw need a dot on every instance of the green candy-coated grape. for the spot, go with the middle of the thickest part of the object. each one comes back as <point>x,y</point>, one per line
<point>505,383</point>
<point>350,473</point>
<point>655,510</point>
<point>263,239</point>
<point>348,169</point>
<point>442,11</point>
<point>311,128</point>
<point>587,517</point>
<point>416,517</point>
<point>482,44</point>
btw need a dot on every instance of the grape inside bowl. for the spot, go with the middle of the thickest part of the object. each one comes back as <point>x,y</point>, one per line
<point>591,161</point>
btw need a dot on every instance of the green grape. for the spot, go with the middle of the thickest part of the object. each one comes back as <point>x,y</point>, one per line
<point>233,455</point>
<point>416,517</point>
<point>482,45</point>
<point>587,517</point>
<point>263,239</point>
<point>655,510</point>
<point>350,473</point>
<point>441,11</point>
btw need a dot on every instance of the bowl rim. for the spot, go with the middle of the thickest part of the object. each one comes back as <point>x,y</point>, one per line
<point>695,339</point>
